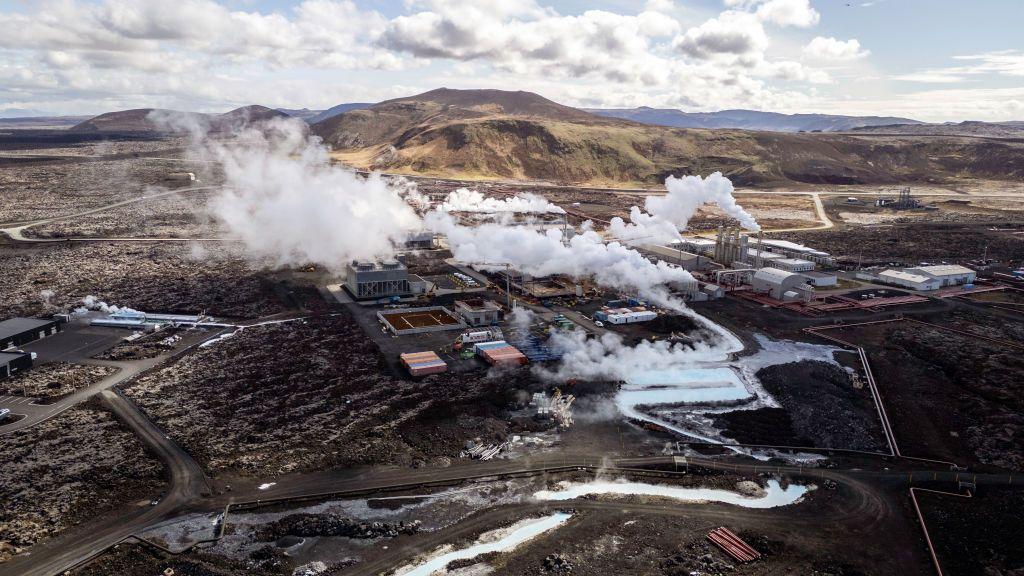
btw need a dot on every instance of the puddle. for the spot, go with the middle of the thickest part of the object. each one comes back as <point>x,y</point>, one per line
<point>507,539</point>
<point>775,495</point>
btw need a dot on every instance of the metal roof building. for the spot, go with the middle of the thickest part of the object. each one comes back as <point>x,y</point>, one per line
<point>781,284</point>
<point>909,280</point>
<point>20,331</point>
<point>13,362</point>
<point>946,274</point>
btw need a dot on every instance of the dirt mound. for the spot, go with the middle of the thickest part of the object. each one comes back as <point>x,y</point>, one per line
<point>327,524</point>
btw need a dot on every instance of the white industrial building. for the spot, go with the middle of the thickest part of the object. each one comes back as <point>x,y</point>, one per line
<point>946,274</point>
<point>675,255</point>
<point>820,279</point>
<point>625,315</point>
<point>781,284</point>
<point>791,264</point>
<point>794,250</point>
<point>909,280</point>
<point>756,256</point>
<point>695,245</point>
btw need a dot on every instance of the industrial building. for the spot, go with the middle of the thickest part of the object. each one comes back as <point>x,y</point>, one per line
<point>14,362</point>
<point>420,241</point>
<point>791,264</point>
<point>781,285</point>
<point>947,274</point>
<point>794,250</point>
<point>676,255</point>
<point>478,312</point>
<point>730,246</point>
<point>820,279</point>
<point>909,280</point>
<point>20,331</point>
<point>625,315</point>
<point>367,280</point>
<point>695,245</point>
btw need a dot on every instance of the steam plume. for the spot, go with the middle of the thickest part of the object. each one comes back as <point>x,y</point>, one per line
<point>664,216</point>
<point>466,200</point>
<point>543,253</point>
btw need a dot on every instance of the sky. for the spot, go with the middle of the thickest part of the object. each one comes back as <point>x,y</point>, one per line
<point>931,60</point>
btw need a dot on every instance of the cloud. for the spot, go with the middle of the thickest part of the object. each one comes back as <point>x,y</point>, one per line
<point>798,13</point>
<point>822,48</point>
<point>733,34</point>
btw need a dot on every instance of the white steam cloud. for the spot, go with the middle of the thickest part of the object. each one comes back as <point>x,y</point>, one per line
<point>93,303</point>
<point>543,253</point>
<point>288,205</point>
<point>466,200</point>
<point>664,216</point>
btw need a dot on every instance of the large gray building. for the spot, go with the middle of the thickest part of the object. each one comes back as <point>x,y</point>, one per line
<point>381,280</point>
<point>14,362</point>
<point>780,284</point>
<point>20,331</point>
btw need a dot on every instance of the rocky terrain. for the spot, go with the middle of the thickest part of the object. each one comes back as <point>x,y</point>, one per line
<point>151,277</point>
<point>947,395</point>
<point>54,380</point>
<point>76,466</point>
<point>311,395</point>
<point>820,408</point>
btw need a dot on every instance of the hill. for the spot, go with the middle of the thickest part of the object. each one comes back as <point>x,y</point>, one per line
<point>748,119</point>
<point>301,114</point>
<point>968,128</point>
<point>490,134</point>
<point>335,110</point>
<point>147,120</point>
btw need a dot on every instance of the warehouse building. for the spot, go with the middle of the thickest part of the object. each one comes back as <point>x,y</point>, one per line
<point>794,250</point>
<point>820,279</point>
<point>14,362</point>
<point>20,331</point>
<point>478,312</point>
<point>781,285</point>
<point>791,264</point>
<point>695,245</point>
<point>946,274</point>
<point>625,315</point>
<point>382,279</point>
<point>908,280</point>
<point>676,255</point>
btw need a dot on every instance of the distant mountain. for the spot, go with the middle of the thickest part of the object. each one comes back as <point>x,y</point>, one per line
<point>157,121</point>
<point>303,114</point>
<point>8,113</point>
<point>40,122</point>
<point>493,134</point>
<point>748,119</point>
<point>1013,129</point>
<point>335,110</point>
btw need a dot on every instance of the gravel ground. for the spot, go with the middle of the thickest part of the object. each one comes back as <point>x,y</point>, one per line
<point>55,380</point>
<point>313,395</point>
<point>76,466</point>
<point>152,277</point>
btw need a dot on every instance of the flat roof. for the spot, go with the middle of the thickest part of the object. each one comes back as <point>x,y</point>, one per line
<point>776,274</point>
<point>6,357</point>
<point>944,269</point>
<point>814,274</point>
<point>16,326</point>
<point>905,276</point>
<point>794,261</point>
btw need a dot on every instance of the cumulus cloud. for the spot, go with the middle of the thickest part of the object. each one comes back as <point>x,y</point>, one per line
<point>734,34</point>
<point>797,13</point>
<point>822,48</point>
